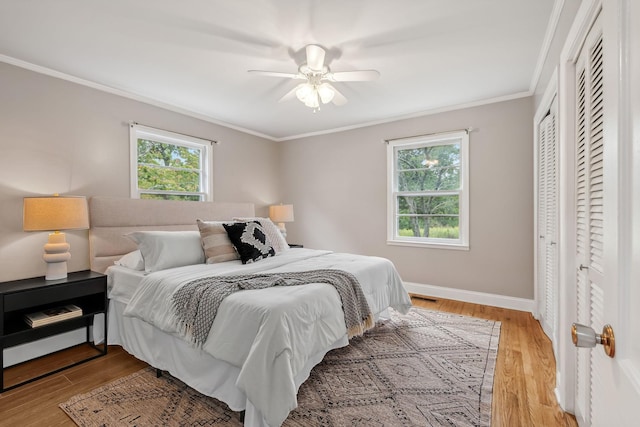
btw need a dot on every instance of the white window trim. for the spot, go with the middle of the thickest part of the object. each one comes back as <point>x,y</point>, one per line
<point>137,131</point>
<point>463,226</point>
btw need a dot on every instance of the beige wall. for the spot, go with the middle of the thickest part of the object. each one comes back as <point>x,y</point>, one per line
<point>58,136</point>
<point>61,137</point>
<point>337,184</point>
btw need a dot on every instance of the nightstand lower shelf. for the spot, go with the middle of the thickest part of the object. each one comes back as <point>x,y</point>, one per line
<point>86,290</point>
<point>14,376</point>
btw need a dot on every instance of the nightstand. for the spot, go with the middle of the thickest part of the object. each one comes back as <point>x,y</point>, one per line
<point>86,289</point>
<point>293,245</point>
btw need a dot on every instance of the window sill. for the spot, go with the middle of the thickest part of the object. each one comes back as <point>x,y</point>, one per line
<point>430,245</point>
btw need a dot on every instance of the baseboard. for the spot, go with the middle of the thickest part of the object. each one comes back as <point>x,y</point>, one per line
<point>502,301</point>
<point>556,392</point>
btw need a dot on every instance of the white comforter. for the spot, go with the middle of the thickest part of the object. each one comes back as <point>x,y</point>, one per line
<point>271,333</point>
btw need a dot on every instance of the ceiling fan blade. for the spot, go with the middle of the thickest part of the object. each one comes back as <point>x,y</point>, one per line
<point>355,76</point>
<point>315,57</point>
<point>291,94</point>
<point>338,98</point>
<point>277,74</point>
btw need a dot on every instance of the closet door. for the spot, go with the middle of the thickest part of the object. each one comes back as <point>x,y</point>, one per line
<point>548,222</point>
<point>583,235</point>
<point>589,209</point>
<point>541,220</point>
<point>607,382</point>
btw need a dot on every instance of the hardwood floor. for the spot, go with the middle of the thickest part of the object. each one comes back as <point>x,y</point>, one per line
<point>522,391</point>
<point>36,404</point>
<point>525,368</point>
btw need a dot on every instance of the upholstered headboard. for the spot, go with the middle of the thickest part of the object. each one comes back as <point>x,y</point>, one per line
<point>111,218</point>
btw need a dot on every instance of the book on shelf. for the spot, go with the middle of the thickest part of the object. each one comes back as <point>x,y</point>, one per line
<point>52,315</point>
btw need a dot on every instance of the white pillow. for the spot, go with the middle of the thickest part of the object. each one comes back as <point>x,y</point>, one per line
<point>278,242</point>
<point>167,249</point>
<point>132,260</point>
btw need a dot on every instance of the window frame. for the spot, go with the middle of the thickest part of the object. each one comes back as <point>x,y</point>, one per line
<point>137,131</point>
<point>439,139</point>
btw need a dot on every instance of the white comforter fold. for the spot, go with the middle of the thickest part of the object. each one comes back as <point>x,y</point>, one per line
<point>271,333</point>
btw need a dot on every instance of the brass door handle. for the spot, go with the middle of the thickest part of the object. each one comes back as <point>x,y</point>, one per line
<point>585,336</point>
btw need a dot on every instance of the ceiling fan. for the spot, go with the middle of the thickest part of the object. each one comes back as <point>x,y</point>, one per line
<point>317,76</point>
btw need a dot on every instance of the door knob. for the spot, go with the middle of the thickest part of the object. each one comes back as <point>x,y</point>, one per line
<point>584,336</point>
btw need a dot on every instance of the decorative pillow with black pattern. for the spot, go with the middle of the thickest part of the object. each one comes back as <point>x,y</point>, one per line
<point>250,240</point>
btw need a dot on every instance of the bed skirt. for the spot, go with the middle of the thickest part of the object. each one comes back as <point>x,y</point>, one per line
<point>196,368</point>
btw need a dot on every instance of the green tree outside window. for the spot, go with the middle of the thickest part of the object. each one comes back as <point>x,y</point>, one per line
<point>168,169</point>
<point>428,197</point>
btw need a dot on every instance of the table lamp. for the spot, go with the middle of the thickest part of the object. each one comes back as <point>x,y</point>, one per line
<point>55,213</point>
<point>281,214</point>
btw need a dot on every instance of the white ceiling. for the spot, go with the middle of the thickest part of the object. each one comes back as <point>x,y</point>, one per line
<point>193,55</point>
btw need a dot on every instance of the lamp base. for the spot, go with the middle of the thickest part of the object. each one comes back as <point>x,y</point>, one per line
<point>56,270</point>
<point>56,255</point>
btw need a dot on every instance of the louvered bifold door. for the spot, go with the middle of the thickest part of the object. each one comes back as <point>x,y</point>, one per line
<point>551,260</point>
<point>589,209</point>
<point>548,222</point>
<point>542,220</point>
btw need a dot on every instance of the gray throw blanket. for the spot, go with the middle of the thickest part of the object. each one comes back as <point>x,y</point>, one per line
<point>196,303</point>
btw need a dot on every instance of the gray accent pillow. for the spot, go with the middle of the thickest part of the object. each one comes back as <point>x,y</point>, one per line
<point>215,242</point>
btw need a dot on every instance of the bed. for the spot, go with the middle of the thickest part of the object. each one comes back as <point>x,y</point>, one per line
<point>263,342</point>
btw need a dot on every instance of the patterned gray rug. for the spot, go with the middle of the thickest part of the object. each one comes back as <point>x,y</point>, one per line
<point>425,368</point>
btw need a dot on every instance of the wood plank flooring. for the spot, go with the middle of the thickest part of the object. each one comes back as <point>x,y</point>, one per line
<point>525,368</point>
<point>522,391</point>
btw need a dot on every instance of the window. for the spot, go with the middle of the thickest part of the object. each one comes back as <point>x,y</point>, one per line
<point>428,191</point>
<point>169,166</point>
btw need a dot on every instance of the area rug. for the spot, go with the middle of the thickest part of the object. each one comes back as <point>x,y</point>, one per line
<point>426,368</point>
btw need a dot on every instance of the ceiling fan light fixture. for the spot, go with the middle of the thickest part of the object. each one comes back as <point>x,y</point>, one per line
<point>316,74</point>
<point>326,93</point>
<point>312,100</point>
<point>308,94</point>
<point>304,91</point>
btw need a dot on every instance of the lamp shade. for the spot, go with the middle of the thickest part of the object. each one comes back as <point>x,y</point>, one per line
<point>281,213</point>
<point>55,213</point>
